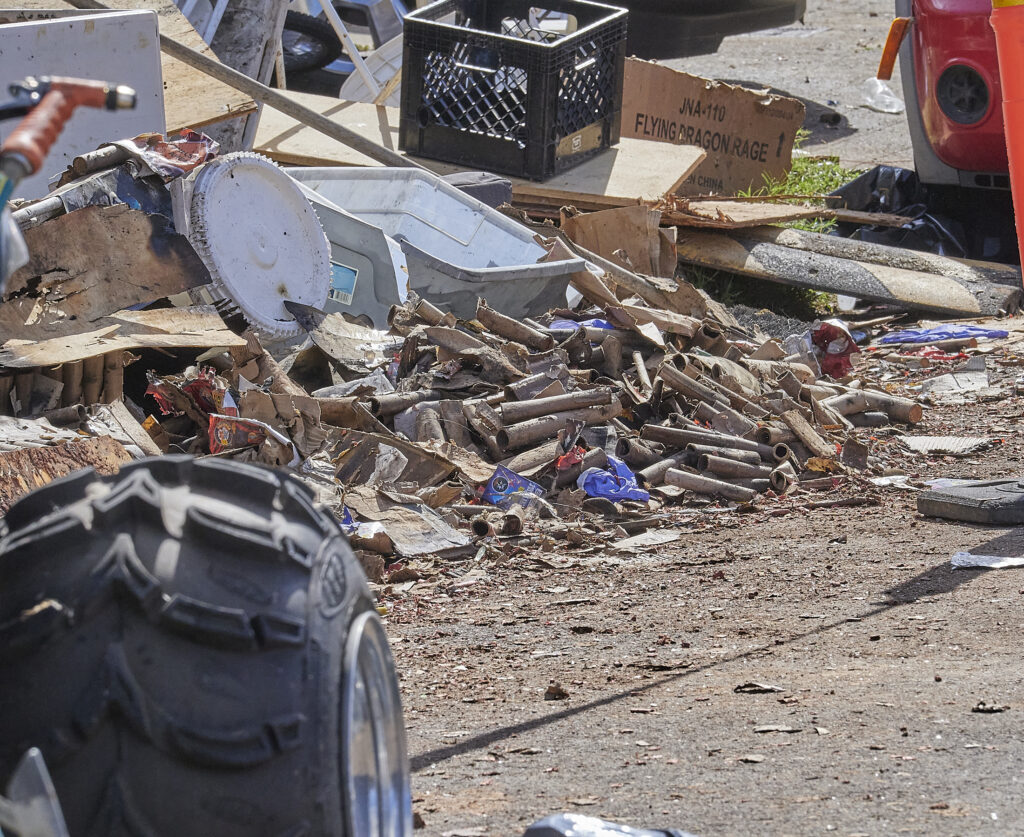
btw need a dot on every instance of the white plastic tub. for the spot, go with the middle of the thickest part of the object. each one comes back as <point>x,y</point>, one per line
<point>368,270</point>
<point>457,249</point>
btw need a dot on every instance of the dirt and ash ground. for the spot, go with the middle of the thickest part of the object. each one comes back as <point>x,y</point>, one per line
<point>615,683</point>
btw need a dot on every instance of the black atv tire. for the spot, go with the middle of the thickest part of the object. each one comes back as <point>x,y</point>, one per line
<point>173,638</point>
<point>309,43</point>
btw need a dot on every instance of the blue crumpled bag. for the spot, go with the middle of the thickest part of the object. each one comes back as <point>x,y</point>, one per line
<point>616,483</point>
<point>595,323</point>
<point>943,332</point>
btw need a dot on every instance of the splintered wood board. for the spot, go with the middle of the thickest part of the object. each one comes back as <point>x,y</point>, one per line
<point>631,170</point>
<point>734,215</point>
<point>191,98</point>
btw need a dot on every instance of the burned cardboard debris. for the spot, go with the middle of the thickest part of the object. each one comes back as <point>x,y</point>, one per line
<point>638,393</point>
<point>26,469</point>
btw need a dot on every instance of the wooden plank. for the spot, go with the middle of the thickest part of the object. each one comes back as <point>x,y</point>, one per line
<point>633,169</point>
<point>864,251</point>
<point>191,99</point>
<point>910,289</point>
<point>93,262</point>
<point>199,327</point>
<point>132,429</point>
<point>732,215</point>
<point>808,435</point>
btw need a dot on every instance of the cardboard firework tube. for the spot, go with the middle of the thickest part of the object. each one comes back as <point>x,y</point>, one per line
<point>595,458</point>
<point>710,339</point>
<point>512,521</point>
<point>490,400</point>
<point>758,485</point>
<point>807,435</point>
<point>736,377</point>
<point>723,467</point>
<point>729,421</point>
<point>512,329</point>
<point>525,433</point>
<point>705,413</point>
<point>738,401</point>
<point>953,345</point>
<point>689,387</point>
<point>896,408</point>
<point>848,403</point>
<point>113,377</point>
<point>24,382</point>
<point>72,377</point>
<point>482,526</point>
<point>514,412</point>
<point>66,416</point>
<point>92,379</point>
<point>339,412</point>
<point>781,480</point>
<point>772,434</point>
<point>428,425</point>
<point>866,400</point>
<point>711,487</point>
<point>790,384</point>
<point>822,393</point>
<point>869,419</point>
<point>681,438</point>
<point>636,454</point>
<point>534,458</point>
<point>6,383</point>
<point>54,373</point>
<point>428,312</point>
<point>528,387</point>
<point>391,404</point>
<point>641,371</point>
<point>608,357</point>
<point>748,456</point>
<point>781,452</point>
<point>654,475</point>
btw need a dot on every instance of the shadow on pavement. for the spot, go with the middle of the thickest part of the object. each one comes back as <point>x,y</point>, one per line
<point>937,580</point>
<point>824,123</point>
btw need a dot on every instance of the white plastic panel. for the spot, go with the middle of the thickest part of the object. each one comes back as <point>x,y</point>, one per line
<point>118,47</point>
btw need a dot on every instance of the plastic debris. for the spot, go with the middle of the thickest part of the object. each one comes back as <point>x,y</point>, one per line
<point>616,482</point>
<point>951,331</point>
<point>878,95</point>
<point>507,488</point>
<point>966,560</point>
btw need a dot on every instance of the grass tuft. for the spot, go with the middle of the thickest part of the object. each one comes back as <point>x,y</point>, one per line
<point>810,178</point>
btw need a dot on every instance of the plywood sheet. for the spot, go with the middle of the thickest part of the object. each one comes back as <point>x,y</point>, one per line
<point>92,262</point>
<point>633,169</point>
<point>199,327</point>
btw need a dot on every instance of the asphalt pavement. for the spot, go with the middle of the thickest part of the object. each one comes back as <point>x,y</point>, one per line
<point>825,61</point>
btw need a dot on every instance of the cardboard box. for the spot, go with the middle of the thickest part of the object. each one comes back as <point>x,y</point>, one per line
<point>745,133</point>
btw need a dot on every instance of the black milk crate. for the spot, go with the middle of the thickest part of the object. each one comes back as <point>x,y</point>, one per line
<point>493,85</point>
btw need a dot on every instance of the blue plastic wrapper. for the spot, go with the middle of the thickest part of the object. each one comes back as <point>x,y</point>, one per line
<point>589,323</point>
<point>616,483</point>
<point>506,488</point>
<point>943,332</point>
<point>348,525</point>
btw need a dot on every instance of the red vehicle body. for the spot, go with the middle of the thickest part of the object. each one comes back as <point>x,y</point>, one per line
<point>949,70</point>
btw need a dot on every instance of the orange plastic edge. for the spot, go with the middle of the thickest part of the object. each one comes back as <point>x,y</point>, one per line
<point>897,32</point>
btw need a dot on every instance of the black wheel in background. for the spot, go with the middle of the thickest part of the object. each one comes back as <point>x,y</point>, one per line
<point>309,43</point>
